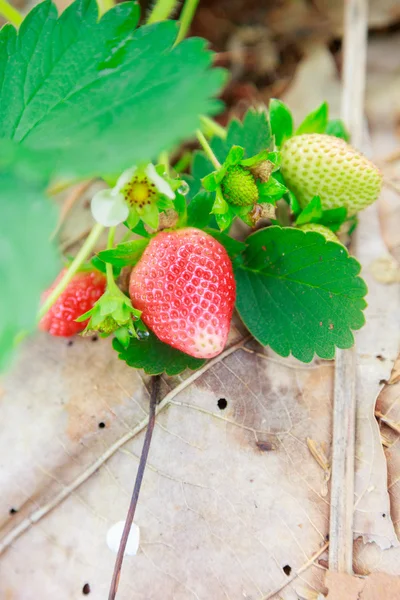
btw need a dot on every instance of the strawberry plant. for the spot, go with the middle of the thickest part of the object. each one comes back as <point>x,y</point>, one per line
<point>88,96</point>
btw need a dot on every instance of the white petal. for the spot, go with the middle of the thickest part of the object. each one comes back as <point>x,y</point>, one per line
<point>109,209</point>
<point>124,179</point>
<point>160,183</point>
<point>114,535</point>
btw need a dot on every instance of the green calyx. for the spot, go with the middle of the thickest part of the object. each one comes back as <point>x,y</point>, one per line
<point>240,183</point>
<point>239,187</point>
<point>111,312</point>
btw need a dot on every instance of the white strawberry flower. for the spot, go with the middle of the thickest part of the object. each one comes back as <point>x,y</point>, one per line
<point>133,197</point>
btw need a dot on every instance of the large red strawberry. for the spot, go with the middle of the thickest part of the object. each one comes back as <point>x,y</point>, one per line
<point>185,288</point>
<point>81,293</point>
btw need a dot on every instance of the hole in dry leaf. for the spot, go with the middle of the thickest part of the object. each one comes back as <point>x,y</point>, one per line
<point>86,589</point>
<point>264,446</point>
<point>287,569</point>
<point>222,403</point>
<point>335,45</point>
<point>102,425</point>
<point>13,511</point>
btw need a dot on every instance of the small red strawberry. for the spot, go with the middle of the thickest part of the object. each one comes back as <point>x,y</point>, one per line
<point>81,293</point>
<point>185,288</point>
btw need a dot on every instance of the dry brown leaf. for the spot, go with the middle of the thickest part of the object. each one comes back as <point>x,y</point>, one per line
<point>395,374</point>
<point>377,586</point>
<point>376,352</point>
<point>342,586</point>
<point>231,504</point>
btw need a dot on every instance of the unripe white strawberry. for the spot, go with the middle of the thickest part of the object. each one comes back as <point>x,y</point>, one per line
<point>328,167</point>
<point>325,231</point>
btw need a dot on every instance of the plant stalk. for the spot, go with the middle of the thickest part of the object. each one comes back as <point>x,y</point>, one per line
<point>155,388</point>
<point>161,10</point>
<point>10,13</point>
<point>186,18</point>
<point>207,149</point>
<point>104,6</point>
<point>109,268</point>
<point>211,127</point>
<point>79,259</point>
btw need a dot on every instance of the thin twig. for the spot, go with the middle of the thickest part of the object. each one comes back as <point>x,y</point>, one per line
<point>155,388</point>
<point>344,410</point>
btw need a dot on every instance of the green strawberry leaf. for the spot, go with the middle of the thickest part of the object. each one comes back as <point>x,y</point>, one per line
<point>312,213</point>
<point>281,121</point>
<point>29,262</point>
<point>201,167</point>
<point>298,293</point>
<point>272,190</point>
<point>253,134</point>
<point>334,217</point>
<point>181,208</point>
<point>139,229</point>
<point>102,267</point>
<point>316,121</point>
<point>224,221</point>
<point>199,209</point>
<point>337,128</point>
<point>155,357</point>
<point>126,253</point>
<point>232,246</point>
<point>97,94</point>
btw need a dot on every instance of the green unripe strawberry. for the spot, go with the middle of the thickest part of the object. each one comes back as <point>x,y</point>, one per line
<point>325,231</point>
<point>239,187</point>
<point>328,167</point>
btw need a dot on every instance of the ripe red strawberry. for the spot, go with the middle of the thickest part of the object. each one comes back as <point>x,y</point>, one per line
<point>81,293</point>
<point>184,286</point>
<point>326,166</point>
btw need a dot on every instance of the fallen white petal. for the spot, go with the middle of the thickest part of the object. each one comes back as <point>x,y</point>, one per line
<point>114,535</point>
<point>109,209</point>
<point>160,183</point>
<point>124,179</point>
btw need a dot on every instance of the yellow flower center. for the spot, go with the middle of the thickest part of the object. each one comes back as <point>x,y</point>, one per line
<point>139,192</point>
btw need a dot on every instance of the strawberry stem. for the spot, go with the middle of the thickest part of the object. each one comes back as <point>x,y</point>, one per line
<point>183,162</point>
<point>164,160</point>
<point>211,127</point>
<point>155,388</point>
<point>104,6</point>
<point>79,259</point>
<point>207,149</point>
<point>186,18</point>
<point>10,13</point>
<point>109,268</point>
<point>161,10</point>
